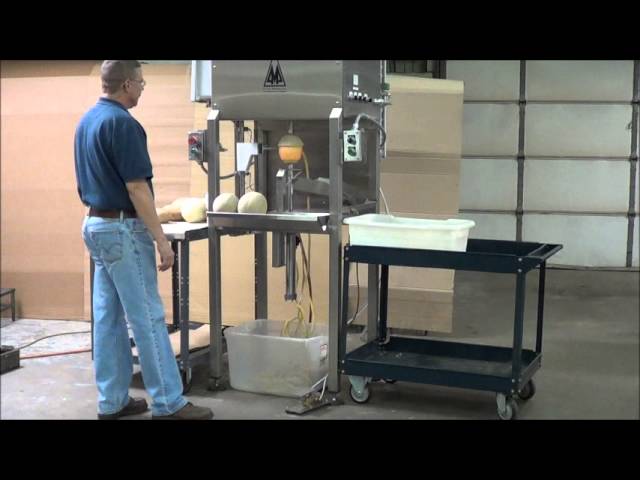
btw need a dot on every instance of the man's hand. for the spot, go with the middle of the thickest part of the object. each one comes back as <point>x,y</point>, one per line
<point>142,200</point>
<point>166,256</point>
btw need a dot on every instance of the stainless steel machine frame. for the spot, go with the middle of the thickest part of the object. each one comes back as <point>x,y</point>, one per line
<point>263,91</point>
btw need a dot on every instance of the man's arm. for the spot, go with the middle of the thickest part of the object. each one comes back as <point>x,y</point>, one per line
<point>142,200</point>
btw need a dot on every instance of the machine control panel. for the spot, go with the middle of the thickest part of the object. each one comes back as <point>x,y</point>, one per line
<point>353,145</point>
<point>359,96</point>
<point>196,145</point>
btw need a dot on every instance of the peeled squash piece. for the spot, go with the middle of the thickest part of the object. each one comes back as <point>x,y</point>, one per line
<point>225,202</point>
<point>169,213</point>
<point>173,211</point>
<point>252,202</point>
<point>194,210</point>
<point>166,215</point>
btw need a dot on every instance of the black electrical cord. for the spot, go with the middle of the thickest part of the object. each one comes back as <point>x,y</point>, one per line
<point>308,267</point>
<point>231,175</point>
<point>375,122</point>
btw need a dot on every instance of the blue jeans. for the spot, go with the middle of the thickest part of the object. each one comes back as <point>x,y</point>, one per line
<point>126,284</point>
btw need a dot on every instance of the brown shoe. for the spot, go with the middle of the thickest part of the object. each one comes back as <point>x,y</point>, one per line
<point>134,407</point>
<point>188,412</point>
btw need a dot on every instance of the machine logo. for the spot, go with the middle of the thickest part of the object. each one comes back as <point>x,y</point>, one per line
<point>274,81</point>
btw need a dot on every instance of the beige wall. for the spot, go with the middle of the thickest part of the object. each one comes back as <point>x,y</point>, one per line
<point>42,252</point>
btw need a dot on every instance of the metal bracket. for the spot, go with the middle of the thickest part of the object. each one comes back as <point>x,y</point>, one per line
<point>244,153</point>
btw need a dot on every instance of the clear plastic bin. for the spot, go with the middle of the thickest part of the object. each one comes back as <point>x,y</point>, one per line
<point>262,361</point>
<point>377,230</point>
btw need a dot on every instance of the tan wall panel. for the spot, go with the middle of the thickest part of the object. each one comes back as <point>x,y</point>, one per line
<point>41,213</point>
<point>48,295</point>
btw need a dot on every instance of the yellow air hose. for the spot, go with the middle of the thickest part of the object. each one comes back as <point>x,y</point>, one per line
<point>306,278</point>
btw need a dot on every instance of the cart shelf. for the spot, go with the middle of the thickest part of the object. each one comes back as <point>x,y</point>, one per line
<point>497,256</point>
<point>442,362</point>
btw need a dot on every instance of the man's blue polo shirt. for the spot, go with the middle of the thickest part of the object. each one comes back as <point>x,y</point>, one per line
<point>110,149</point>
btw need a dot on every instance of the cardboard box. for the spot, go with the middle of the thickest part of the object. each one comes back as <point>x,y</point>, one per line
<point>409,309</point>
<point>425,116</point>
<point>421,184</point>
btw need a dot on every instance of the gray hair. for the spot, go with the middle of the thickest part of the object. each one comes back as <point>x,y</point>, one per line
<point>114,73</point>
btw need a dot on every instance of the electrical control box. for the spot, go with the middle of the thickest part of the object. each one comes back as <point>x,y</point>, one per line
<point>353,146</point>
<point>196,145</point>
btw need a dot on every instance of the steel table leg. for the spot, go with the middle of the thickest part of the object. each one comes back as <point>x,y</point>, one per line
<point>175,286</point>
<point>345,310</point>
<point>541,282</point>
<point>184,312</point>
<point>517,331</point>
<point>384,298</point>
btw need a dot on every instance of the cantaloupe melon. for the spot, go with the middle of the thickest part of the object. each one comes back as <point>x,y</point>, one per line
<point>194,210</point>
<point>252,202</point>
<point>225,202</point>
<point>290,148</point>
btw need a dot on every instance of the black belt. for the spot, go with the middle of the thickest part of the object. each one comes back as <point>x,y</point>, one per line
<point>95,212</point>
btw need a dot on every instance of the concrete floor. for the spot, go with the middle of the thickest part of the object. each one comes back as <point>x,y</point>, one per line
<point>590,364</point>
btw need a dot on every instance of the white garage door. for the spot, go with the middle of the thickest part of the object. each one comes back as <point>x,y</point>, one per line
<point>550,154</point>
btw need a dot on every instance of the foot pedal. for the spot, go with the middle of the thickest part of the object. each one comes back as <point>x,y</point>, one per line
<point>9,358</point>
<point>311,402</point>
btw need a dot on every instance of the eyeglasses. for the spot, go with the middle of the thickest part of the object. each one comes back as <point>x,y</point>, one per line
<point>142,83</point>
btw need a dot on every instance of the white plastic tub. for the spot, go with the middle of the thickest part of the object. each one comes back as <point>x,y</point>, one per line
<point>376,230</point>
<point>262,361</point>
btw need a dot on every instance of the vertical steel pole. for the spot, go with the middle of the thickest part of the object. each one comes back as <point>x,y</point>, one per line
<point>260,239</point>
<point>517,330</point>
<point>541,281</point>
<point>384,301</point>
<point>345,310</point>
<point>215,303</point>
<point>335,245</point>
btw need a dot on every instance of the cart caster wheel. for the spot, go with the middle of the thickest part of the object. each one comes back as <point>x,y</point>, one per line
<point>362,397</point>
<point>507,408</point>
<point>528,391</point>
<point>186,381</point>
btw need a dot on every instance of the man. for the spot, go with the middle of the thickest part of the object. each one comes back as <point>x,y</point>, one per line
<point>114,173</point>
